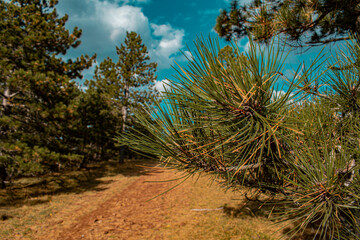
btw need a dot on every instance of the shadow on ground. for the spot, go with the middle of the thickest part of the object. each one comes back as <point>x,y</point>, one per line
<point>25,191</point>
<point>250,208</point>
<point>254,208</point>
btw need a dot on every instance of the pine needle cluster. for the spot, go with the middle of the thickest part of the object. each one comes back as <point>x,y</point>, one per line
<point>240,117</point>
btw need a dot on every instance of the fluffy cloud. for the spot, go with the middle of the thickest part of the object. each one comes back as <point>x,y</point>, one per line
<point>167,48</point>
<point>105,23</point>
<point>161,85</point>
<point>122,19</point>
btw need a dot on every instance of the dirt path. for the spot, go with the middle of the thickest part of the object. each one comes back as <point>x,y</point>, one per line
<point>118,207</point>
<point>123,215</point>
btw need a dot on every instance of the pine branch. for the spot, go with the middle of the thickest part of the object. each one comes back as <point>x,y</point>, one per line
<point>319,43</point>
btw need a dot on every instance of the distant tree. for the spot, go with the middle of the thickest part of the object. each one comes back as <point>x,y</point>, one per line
<point>303,22</point>
<point>100,115</point>
<point>37,113</point>
<point>123,86</point>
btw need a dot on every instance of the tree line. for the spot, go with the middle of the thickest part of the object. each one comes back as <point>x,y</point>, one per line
<point>48,123</point>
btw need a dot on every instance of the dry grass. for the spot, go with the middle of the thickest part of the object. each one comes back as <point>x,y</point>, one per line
<point>210,213</point>
<point>31,202</point>
<point>51,206</point>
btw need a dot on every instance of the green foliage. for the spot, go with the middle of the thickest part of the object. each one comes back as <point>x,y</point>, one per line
<point>37,113</point>
<point>226,114</point>
<point>304,22</point>
<point>117,88</point>
<point>100,121</point>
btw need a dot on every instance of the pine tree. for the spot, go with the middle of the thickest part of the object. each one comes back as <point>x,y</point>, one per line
<point>100,121</point>
<point>299,146</point>
<point>301,22</point>
<point>123,86</point>
<point>37,114</point>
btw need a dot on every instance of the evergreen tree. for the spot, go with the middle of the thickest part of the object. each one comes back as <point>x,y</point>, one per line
<point>37,113</point>
<point>122,86</point>
<point>225,116</point>
<point>304,22</point>
<point>100,121</point>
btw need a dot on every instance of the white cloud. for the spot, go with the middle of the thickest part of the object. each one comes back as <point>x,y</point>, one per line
<point>188,54</point>
<point>136,1</point>
<point>167,48</point>
<point>281,93</point>
<point>105,23</point>
<point>241,2</point>
<point>122,19</point>
<point>124,2</point>
<point>161,30</point>
<point>161,85</point>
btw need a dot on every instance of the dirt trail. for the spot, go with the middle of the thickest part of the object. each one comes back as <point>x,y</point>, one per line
<point>123,215</point>
<point>118,207</point>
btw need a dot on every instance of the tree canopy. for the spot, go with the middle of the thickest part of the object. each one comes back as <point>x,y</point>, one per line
<point>124,85</point>
<point>302,22</point>
<point>37,114</point>
<point>47,123</point>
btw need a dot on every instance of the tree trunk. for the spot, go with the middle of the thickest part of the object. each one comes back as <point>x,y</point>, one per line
<point>5,101</point>
<point>3,176</point>
<point>6,104</point>
<point>124,118</point>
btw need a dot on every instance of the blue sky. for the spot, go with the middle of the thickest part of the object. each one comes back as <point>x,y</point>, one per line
<point>166,27</point>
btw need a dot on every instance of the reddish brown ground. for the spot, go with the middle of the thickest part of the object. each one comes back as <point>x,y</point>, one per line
<point>126,214</point>
<point>118,206</point>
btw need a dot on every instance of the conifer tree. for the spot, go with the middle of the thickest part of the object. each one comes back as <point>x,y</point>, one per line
<point>37,113</point>
<point>302,22</point>
<point>124,85</point>
<point>296,148</point>
<point>100,121</point>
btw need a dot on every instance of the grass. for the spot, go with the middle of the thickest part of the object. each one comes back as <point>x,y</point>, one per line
<point>37,190</point>
<point>225,217</point>
<point>31,205</point>
<point>29,202</point>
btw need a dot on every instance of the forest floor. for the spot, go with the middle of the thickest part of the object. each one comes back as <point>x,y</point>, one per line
<point>130,201</point>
